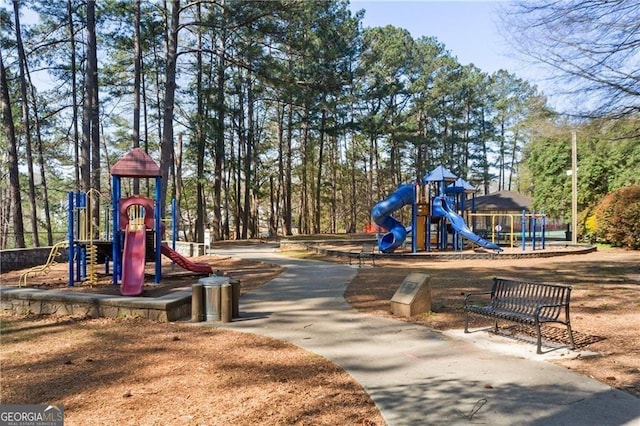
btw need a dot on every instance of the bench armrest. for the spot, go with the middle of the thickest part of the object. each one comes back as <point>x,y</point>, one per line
<point>474,293</point>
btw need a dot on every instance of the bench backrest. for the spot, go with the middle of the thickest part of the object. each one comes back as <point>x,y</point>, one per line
<point>369,248</point>
<point>524,296</point>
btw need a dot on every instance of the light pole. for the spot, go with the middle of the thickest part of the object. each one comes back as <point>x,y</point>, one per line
<point>574,188</point>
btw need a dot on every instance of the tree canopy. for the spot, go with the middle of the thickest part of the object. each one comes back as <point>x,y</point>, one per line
<point>265,117</point>
<point>592,47</point>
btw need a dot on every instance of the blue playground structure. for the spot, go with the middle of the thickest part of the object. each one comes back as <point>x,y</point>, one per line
<point>86,247</point>
<point>439,205</point>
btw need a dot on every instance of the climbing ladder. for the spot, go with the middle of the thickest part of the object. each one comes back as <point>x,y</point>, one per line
<point>51,261</point>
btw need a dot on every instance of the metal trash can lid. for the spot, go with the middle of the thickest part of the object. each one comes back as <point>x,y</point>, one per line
<point>213,281</point>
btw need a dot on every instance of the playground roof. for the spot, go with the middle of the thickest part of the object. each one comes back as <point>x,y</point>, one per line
<point>440,174</point>
<point>136,164</point>
<point>464,185</point>
<point>503,201</point>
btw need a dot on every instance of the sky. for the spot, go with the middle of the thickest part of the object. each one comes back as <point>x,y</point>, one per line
<point>467,28</point>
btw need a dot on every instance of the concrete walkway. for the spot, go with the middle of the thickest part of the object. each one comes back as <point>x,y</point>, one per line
<point>417,376</point>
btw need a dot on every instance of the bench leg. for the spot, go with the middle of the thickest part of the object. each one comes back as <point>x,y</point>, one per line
<point>466,321</point>
<point>539,335</point>
<point>573,345</point>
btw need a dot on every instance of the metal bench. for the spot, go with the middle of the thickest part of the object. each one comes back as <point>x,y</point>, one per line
<point>366,252</point>
<point>523,302</point>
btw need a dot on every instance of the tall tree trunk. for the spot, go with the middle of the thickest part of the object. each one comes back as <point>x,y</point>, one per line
<point>316,221</point>
<point>219,151</point>
<point>74,95</point>
<point>353,209</point>
<point>85,147</point>
<point>137,71</point>
<point>304,197</point>
<point>14,174</point>
<point>288,165</point>
<point>41,165</point>
<point>27,126</point>
<point>273,209</point>
<point>199,136</point>
<point>394,156</point>
<point>40,153</point>
<point>513,163</point>
<point>501,159</point>
<point>92,94</point>
<point>179,185</point>
<point>225,227</point>
<point>334,184</point>
<point>486,181</point>
<point>240,221</point>
<point>248,161</point>
<point>166,148</point>
<point>281,150</point>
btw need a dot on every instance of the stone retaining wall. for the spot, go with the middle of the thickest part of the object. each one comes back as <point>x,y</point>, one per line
<point>13,259</point>
<point>23,301</point>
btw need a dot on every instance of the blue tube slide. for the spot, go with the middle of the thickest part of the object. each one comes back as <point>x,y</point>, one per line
<point>440,208</point>
<point>381,215</point>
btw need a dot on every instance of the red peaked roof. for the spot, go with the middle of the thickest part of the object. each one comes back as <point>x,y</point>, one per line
<point>136,164</point>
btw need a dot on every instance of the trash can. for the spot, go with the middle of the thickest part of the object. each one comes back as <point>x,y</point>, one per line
<point>212,286</point>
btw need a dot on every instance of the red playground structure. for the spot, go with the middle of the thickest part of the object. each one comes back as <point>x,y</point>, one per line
<point>138,229</point>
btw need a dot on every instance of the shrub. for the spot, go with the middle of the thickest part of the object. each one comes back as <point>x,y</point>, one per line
<point>588,225</point>
<point>618,218</point>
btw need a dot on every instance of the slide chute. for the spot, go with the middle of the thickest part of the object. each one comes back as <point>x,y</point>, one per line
<point>133,259</point>
<point>185,263</point>
<point>381,215</point>
<point>441,208</point>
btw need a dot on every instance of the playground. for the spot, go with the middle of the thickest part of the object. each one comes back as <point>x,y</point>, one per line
<point>110,369</point>
<point>76,358</point>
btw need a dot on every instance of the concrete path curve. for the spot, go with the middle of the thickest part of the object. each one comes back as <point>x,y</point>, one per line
<point>415,375</point>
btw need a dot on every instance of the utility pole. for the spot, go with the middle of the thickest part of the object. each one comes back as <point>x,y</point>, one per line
<point>574,188</point>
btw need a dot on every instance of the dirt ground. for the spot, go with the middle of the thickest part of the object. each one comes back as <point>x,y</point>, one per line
<point>131,371</point>
<point>605,302</point>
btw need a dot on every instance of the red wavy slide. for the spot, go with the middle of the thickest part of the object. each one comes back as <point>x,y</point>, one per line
<point>185,263</point>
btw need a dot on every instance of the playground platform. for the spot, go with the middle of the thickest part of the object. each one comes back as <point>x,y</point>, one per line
<point>170,307</point>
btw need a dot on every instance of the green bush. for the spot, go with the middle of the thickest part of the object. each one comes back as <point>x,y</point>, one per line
<point>618,218</point>
<point>588,225</point>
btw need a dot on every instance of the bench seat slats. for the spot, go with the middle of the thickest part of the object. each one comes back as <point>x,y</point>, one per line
<point>510,315</point>
<point>524,302</point>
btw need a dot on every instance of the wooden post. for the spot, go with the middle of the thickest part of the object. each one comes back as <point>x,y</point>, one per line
<point>196,302</point>
<point>225,303</point>
<point>235,298</point>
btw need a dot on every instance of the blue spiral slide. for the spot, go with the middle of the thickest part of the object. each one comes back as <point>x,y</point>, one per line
<point>381,215</point>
